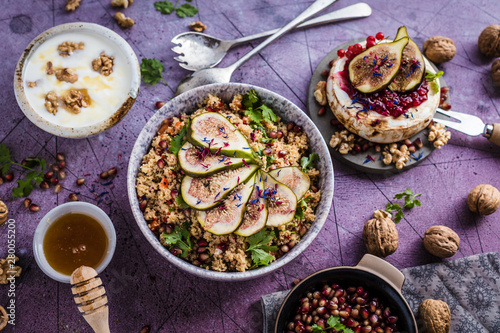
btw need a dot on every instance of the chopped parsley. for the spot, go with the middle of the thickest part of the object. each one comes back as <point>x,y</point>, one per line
<point>259,248</point>
<point>178,141</point>
<point>180,238</point>
<point>167,7</point>
<point>301,208</point>
<point>308,162</point>
<point>333,323</point>
<point>256,110</point>
<point>152,71</point>
<point>181,203</point>
<point>410,202</point>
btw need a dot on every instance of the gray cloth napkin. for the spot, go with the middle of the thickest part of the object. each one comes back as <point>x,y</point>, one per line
<point>470,286</point>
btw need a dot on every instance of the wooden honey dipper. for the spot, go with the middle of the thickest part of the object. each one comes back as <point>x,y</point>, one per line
<point>90,296</point>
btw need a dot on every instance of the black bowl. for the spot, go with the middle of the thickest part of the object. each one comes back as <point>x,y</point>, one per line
<point>377,276</point>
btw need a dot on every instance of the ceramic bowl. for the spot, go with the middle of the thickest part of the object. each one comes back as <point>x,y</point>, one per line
<point>72,207</point>
<point>188,103</point>
<point>87,130</point>
<point>376,275</point>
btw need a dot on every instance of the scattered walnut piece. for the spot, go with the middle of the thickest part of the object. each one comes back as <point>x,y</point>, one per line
<point>103,64</point>
<point>75,101</point>
<point>438,135</point>
<point>66,48</point>
<point>50,69</point>
<point>6,271</point>
<point>121,3</point>
<point>343,141</point>
<point>489,41</point>
<point>484,199</point>
<point>72,5</point>
<point>436,316</point>
<point>4,211</point>
<point>320,93</point>
<point>197,26</point>
<point>380,234</point>
<point>67,75</point>
<point>51,102</point>
<point>399,156</point>
<point>31,84</point>
<point>441,241</point>
<point>123,21</point>
<point>439,49</point>
<point>4,318</point>
<point>495,72</point>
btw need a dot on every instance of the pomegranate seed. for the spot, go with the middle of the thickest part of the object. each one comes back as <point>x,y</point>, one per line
<point>163,144</point>
<point>272,135</point>
<point>296,281</point>
<point>418,142</point>
<point>222,247</point>
<point>202,242</point>
<point>61,164</point>
<point>290,126</point>
<point>334,122</point>
<point>340,54</point>
<point>60,157</point>
<point>49,175</point>
<point>445,106</point>
<point>364,313</point>
<point>387,312</point>
<point>175,251</point>
<point>282,153</point>
<point>62,174</point>
<point>373,318</point>
<point>284,249</point>
<point>27,202</point>
<point>9,177</point>
<point>169,229</point>
<point>80,181</point>
<point>331,63</point>
<point>322,302</point>
<point>392,319</point>
<point>341,299</point>
<point>54,181</point>
<point>366,329</point>
<point>174,193</point>
<point>104,175</point>
<point>321,310</point>
<point>58,188</point>
<point>360,300</point>
<point>145,329</point>
<point>379,36</point>
<point>55,167</point>
<point>159,104</point>
<point>344,314</point>
<point>412,149</point>
<point>1,180</point>
<point>44,185</point>
<point>142,205</point>
<point>321,111</point>
<point>297,129</point>
<point>370,44</point>
<point>325,73</point>
<point>112,171</point>
<point>73,197</point>
<point>279,134</point>
<point>34,208</point>
<point>201,249</point>
<point>351,322</point>
<point>161,163</point>
<point>370,38</point>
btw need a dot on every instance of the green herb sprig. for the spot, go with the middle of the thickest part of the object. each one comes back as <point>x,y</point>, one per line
<point>308,162</point>
<point>179,140</point>
<point>301,208</point>
<point>167,7</point>
<point>410,202</point>
<point>260,248</point>
<point>179,237</point>
<point>333,323</point>
<point>256,110</point>
<point>431,77</point>
<point>24,186</point>
<point>181,203</point>
<point>152,71</point>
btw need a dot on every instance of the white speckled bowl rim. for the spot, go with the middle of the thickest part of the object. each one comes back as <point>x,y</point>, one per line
<point>188,102</point>
<point>82,131</point>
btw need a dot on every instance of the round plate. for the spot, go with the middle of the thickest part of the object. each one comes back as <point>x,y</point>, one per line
<point>368,161</point>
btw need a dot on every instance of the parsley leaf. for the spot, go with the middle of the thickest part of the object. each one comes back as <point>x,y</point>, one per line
<point>333,323</point>
<point>186,10</point>
<point>259,248</point>
<point>180,238</point>
<point>181,203</point>
<point>301,208</point>
<point>256,110</point>
<point>431,76</point>
<point>151,71</point>
<point>178,141</point>
<point>4,158</point>
<point>308,162</point>
<point>166,7</point>
<point>410,202</point>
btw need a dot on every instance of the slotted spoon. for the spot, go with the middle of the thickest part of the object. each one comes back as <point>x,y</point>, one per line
<point>470,125</point>
<point>197,50</point>
<point>223,75</point>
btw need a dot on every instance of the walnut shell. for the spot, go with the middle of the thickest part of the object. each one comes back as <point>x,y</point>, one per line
<point>495,72</point>
<point>439,49</point>
<point>484,199</point>
<point>435,315</point>
<point>489,41</point>
<point>380,235</point>
<point>441,241</point>
<point>3,212</point>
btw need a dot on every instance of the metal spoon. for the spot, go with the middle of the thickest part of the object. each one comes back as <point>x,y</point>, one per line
<point>197,50</point>
<point>221,75</point>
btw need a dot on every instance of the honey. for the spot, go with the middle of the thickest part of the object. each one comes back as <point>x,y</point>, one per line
<point>74,240</point>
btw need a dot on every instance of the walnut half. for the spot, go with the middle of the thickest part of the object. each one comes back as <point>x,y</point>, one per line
<point>66,75</point>
<point>75,101</point>
<point>67,48</point>
<point>6,270</point>
<point>72,5</point>
<point>121,3</point>
<point>123,21</point>
<point>438,135</point>
<point>51,102</point>
<point>320,93</point>
<point>197,26</point>
<point>103,64</point>
<point>4,211</point>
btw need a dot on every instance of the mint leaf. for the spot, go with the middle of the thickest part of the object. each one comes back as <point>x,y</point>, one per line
<point>186,10</point>
<point>431,76</point>
<point>152,71</point>
<point>178,141</point>
<point>308,162</point>
<point>164,7</point>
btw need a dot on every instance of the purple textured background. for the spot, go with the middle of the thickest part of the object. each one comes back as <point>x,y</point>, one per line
<point>142,288</point>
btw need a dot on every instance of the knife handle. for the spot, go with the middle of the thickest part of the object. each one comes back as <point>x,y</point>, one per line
<point>495,134</point>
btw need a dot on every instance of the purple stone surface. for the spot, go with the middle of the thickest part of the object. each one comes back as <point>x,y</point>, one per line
<point>143,289</point>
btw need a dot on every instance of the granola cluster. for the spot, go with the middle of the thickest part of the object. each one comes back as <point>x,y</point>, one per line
<point>103,64</point>
<point>67,48</point>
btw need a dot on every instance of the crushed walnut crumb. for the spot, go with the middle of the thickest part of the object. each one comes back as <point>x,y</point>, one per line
<point>103,64</point>
<point>75,101</point>
<point>320,93</point>
<point>72,5</point>
<point>51,102</point>
<point>123,21</point>
<point>197,26</point>
<point>7,269</point>
<point>31,84</point>
<point>66,48</point>
<point>50,69</point>
<point>343,141</point>
<point>121,3</point>
<point>67,75</point>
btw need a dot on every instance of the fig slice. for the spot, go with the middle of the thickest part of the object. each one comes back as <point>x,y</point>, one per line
<point>255,216</point>
<point>375,68</point>
<point>201,162</point>
<point>281,201</point>
<point>293,178</point>
<point>205,193</point>
<point>226,218</point>
<point>214,131</point>
<point>412,70</point>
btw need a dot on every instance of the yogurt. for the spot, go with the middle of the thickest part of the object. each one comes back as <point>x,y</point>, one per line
<point>106,94</point>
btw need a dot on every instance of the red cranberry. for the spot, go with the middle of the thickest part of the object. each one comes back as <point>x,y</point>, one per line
<point>340,53</point>
<point>379,36</point>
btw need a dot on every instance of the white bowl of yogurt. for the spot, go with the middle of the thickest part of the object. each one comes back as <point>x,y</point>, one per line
<point>86,97</point>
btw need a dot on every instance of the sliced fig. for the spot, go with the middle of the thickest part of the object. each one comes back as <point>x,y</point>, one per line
<point>214,131</point>
<point>226,218</point>
<point>281,201</point>
<point>412,70</point>
<point>293,178</point>
<point>374,69</point>
<point>255,216</point>
<point>200,162</point>
<point>205,193</point>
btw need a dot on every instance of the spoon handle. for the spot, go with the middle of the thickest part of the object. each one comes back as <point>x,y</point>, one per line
<point>358,10</point>
<point>316,7</point>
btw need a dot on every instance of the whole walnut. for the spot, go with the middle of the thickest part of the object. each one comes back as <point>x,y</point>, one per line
<point>435,315</point>
<point>484,199</point>
<point>441,241</point>
<point>495,72</point>
<point>380,234</point>
<point>439,49</point>
<point>489,41</point>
